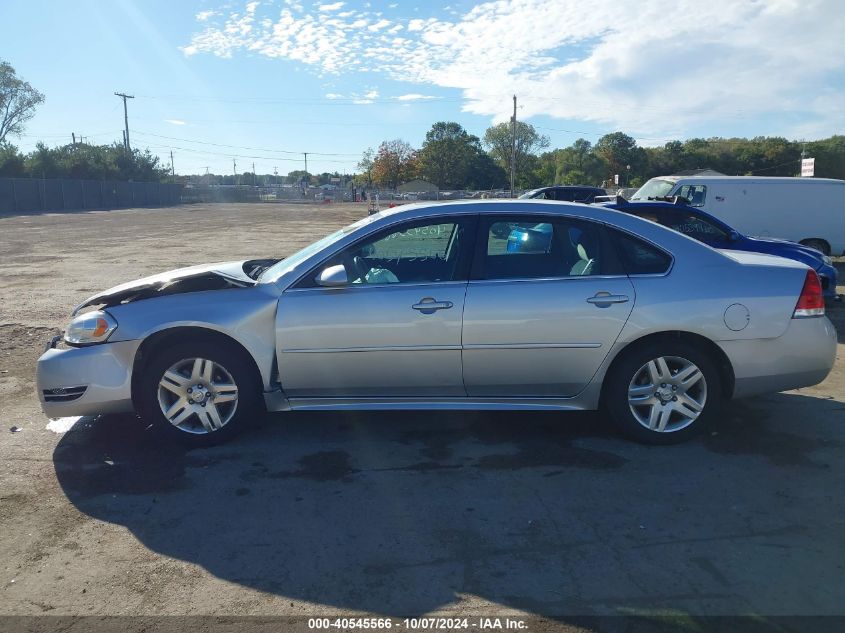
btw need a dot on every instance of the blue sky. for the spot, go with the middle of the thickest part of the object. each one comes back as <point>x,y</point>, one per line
<point>265,81</point>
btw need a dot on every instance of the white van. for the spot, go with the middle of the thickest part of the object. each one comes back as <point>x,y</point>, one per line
<point>806,210</point>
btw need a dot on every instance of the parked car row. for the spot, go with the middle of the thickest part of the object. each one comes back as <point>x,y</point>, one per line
<point>702,226</point>
<point>809,211</point>
<point>514,305</point>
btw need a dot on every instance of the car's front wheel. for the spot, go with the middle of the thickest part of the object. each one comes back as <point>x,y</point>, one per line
<point>662,393</point>
<point>200,393</point>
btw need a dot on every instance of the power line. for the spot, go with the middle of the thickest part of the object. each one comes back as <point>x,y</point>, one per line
<point>231,155</point>
<point>711,140</point>
<point>255,149</point>
<point>338,101</point>
<point>791,162</point>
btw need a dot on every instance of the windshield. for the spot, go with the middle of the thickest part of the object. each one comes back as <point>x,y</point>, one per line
<point>654,188</point>
<point>289,263</point>
<point>529,194</point>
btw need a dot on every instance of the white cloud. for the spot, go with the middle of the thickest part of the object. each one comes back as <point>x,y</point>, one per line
<point>657,67</point>
<point>176,121</point>
<point>355,97</point>
<point>331,7</point>
<point>202,16</point>
<point>378,25</point>
<point>414,97</point>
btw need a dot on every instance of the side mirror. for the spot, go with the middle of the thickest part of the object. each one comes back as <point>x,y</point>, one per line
<point>332,277</point>
<point>733,236</point>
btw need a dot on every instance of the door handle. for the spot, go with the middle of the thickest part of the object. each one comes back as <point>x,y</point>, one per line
<point>604,299</point>
<point>430,305</point>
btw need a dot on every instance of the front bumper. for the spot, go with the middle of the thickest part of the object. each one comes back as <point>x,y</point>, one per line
<point>801,357</point>
<point>86,380</point>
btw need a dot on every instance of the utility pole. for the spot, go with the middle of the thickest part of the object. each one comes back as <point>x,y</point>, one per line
<point>253,174</point>
<point>73,136</point>
<point>234,171</point>
<point>125,117</point>
<point>306,163</point>
<point>275,175</point>
<point>513,146</point>
<point>172,168</point>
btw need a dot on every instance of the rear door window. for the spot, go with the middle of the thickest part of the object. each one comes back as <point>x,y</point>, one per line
<point>520,248</point>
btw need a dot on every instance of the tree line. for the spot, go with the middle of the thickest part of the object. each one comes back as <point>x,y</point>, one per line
<point>83,161</point>
<point>451,158</point>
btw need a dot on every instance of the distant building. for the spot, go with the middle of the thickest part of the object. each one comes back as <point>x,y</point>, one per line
<point>416,186</point>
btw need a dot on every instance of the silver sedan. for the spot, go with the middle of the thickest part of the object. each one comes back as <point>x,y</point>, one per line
<point>469,305</point>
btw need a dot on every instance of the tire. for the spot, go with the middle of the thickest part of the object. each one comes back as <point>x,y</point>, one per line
<point>683,399</point>
<point>211,388</point>
<point>819,245</point>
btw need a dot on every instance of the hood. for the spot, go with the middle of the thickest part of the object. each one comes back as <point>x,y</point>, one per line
<point>218,276</point>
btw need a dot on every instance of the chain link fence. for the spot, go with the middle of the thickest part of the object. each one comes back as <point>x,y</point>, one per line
<point>26,195</point>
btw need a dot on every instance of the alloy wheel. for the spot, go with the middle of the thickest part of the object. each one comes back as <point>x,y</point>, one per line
<point>197,395</point>
<point>667,394</point>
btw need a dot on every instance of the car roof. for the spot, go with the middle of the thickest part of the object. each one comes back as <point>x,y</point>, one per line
<point>749,179</point>
<point>527,206</point>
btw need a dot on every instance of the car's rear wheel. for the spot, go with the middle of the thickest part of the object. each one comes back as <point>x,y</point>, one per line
<point>200,393</point>
<point>819,245</point>
<point>663,392</point>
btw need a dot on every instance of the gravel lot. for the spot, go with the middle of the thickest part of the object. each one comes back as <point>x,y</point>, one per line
<point>395,514</point>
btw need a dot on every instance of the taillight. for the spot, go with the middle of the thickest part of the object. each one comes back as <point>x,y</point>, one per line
<point>811,301</point>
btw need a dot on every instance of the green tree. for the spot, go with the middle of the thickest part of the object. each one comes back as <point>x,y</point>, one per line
<point>366,166</point>
<point>830,156</point>
<point>12,162</point>
<point>18,101</point>
<point>394,163</point>
<point>451,158</point>
<point>618,151</point>
<point>484,173</point>
<point>498,140</point>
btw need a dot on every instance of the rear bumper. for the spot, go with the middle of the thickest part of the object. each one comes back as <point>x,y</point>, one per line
<point>827,276</point>
<point>803,356</point>
<point>86,380</point>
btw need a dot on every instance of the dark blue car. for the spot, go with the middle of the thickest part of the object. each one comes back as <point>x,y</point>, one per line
<point>705,228</point>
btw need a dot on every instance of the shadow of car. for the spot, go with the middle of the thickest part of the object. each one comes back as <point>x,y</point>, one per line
<point>406,513</point>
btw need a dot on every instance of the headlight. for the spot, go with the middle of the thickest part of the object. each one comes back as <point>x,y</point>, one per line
<point>91,327</point>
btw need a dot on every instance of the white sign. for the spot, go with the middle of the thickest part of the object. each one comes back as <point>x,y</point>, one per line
<point>616,179</point>
<point>808,167</point>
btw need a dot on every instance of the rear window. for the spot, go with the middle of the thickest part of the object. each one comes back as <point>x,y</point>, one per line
<point>639,257</point>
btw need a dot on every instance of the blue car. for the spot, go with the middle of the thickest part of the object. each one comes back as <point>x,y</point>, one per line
<point>705,228</point>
